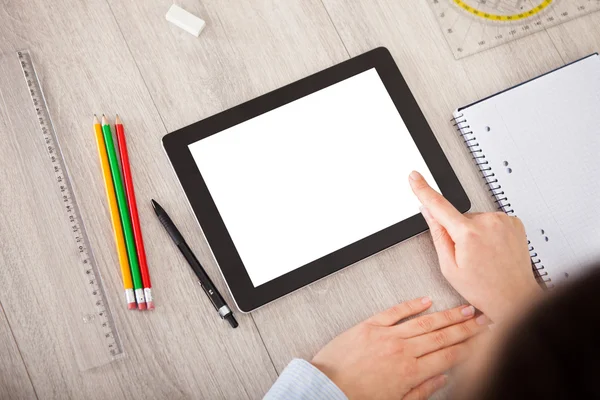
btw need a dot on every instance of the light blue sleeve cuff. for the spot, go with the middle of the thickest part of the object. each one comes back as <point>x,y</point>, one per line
<point>300,380</point>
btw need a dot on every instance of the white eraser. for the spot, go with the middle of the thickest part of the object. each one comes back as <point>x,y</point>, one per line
<point>185,20</point>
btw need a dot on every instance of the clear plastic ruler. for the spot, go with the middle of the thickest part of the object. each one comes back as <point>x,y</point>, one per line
<point>471,26</point>
<point>93,333</point>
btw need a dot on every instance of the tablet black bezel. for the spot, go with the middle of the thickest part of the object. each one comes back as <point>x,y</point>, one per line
<point>248,297</point>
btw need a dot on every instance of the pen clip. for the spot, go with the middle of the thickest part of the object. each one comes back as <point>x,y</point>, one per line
<point>210,292</point>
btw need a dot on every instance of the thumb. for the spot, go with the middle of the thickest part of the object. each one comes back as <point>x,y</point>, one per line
<point>444,245</point>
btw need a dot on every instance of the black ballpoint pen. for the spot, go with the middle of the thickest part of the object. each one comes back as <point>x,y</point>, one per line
<point>210,289</point>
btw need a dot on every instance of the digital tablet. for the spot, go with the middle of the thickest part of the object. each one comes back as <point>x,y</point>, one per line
<point>310,178</point>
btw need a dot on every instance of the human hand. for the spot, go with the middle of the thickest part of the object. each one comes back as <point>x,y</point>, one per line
<point>378,359</point>
<point>483,256</point>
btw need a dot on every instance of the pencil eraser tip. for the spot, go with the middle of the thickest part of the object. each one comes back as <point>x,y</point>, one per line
<point>130,299</point>
<point>185,20</point>
<point>142,306</point>
<point>150,305</point>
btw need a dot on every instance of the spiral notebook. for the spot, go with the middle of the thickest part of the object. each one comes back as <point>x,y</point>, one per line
<point>537,145</point>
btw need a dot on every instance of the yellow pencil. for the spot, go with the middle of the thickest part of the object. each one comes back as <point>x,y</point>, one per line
<point>114,216</point>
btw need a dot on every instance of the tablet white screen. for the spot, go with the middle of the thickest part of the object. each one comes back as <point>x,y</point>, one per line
<point>313,176</point>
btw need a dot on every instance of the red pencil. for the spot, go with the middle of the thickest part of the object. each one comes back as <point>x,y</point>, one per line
<point>135,219</point>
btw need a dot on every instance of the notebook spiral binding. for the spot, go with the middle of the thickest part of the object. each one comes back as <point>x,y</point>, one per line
<point>495,189</point>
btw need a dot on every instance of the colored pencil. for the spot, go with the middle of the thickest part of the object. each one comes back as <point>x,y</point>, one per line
<point>133,212</point>
<point>124,213</point>
<point>114,217</point>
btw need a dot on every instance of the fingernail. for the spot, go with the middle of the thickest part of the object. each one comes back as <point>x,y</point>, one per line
<point>482,320</point>
<point>415,176</point>
<point>426,300</point>
<point>468,311</point>
<point>426,213</point>
<point>440,382</point>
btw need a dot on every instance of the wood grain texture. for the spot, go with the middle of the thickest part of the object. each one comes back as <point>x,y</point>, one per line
<point>577,38</point>
<point>180,350</point>
<point>123,56</point>
<point>14,380</point>
<point>246,49</point>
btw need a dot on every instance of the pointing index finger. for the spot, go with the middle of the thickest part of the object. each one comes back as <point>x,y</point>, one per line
<point>440,208</point>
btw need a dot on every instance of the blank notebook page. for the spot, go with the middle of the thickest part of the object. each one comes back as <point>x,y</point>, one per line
<point>542,142</point>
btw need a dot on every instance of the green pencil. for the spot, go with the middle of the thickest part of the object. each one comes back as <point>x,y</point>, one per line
<point>124,212</point>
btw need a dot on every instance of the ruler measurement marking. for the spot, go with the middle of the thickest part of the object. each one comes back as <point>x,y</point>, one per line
<point>86,258</point>
<point>512,25</point>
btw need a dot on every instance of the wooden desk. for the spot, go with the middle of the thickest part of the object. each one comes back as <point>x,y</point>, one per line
<point>122,56</point>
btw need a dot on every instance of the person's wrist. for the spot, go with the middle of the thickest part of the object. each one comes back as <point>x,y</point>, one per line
<point>518,301</point>
<point>329,374</point>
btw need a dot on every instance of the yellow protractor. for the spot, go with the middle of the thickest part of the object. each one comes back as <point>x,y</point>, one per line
<point>498,17</point>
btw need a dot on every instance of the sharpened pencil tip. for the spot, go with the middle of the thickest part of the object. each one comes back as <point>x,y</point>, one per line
<point>117,120</point>
<point>154,203</point>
